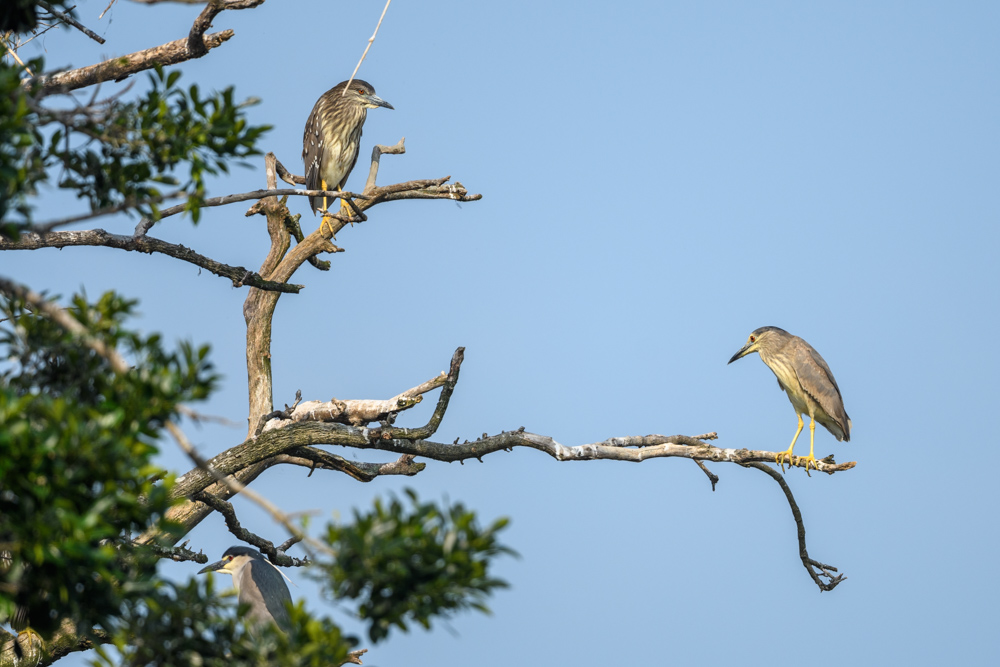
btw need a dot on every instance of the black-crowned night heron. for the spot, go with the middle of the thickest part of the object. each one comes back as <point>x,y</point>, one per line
<point>332,136</point>
<point>259,584</point>
<point>807,379</point>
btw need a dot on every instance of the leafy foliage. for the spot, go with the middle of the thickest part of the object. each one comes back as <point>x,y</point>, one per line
<point>189,625</point>
<point>412,563</point>
<point>21,164</point>
<point>115,153</point>
<point>76,473</point>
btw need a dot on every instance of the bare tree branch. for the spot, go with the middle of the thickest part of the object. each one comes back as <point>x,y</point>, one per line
<point>714,479</point>
<point>228,512</point>
<point>239,275</point>
<point>178,554</point>
<point>46,227</point>
<point>821,574</point>
<point>377,152</point>
<point>123,67</point>
<point>236,486</point>
<point>69,20</point>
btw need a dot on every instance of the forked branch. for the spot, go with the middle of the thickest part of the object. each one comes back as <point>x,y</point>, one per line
<point>821,574</point>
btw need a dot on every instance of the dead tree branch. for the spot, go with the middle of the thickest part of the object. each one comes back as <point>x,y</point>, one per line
<point>239,275</point>
<point>377,152</point>
<point>275,554</point>
<point>69,20</point>
<point>821,574</point>
<point>123,67</point>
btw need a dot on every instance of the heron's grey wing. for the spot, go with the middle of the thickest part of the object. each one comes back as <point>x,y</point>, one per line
<point>268,592</point>
<point>817,380</point>
<point>312,147</point>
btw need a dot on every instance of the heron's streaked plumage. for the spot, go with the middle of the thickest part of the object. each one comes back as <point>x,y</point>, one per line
<point>333,135</point>
<point>804,376</point>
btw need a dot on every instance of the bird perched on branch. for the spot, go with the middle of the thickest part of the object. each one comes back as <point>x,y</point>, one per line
<point>807,379</point>
<point>331,139</point>
<point>259,584</point>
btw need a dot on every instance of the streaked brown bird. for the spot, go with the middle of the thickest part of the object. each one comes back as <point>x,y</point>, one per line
<point>331,139</point>
<point>807,379</point>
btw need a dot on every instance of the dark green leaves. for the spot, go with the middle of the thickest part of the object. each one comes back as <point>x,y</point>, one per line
<point>21,161</point>
<point>180,626</point>
<point>413,563</point>
<point>76,471</point>
<point>114,153</point>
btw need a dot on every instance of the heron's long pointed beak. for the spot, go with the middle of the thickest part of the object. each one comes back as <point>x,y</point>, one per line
<point>379,102</point>
<point>744,351</point>
<point>218,565</point>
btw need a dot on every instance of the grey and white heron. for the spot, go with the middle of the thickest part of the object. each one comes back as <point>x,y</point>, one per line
<point>260,586</point>
<point>807,379</point>
<point>332,137</point>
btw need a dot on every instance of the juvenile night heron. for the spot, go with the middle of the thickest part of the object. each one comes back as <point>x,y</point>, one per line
<point>331,139</point>
<point>807,379</point>
<point>259,584</point>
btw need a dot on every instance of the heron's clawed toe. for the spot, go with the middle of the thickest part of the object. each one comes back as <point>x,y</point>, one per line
<point>326,222</point>
<point>808,460</point>
<point>781,458</point>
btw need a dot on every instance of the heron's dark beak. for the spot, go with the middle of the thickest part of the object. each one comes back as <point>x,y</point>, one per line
<point>744,351</point>
<point>379,102</point>
<point>214,566</point>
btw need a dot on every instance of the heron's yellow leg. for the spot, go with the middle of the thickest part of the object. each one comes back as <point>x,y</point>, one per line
<point>30,643</point>
<point>781,457</point>
<point>346,210</point>
<point>325,212</point>
<point>812,438</point>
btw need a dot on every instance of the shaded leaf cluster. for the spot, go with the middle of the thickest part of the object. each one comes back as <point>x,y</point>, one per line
<point>115,153</point>
<point>409,562</point>
<point>22,164</point>
<point>77,472</point>
<point>179,625</point>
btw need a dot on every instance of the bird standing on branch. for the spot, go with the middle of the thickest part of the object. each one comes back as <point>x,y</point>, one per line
<point>331,140</point>
<point>259,584</point>
<point>807,379</point>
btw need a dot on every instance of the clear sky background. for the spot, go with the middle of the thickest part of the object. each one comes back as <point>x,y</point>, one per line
<point>658,180</point>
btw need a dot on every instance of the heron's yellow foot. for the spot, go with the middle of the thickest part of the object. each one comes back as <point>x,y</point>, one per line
<point>781,458</point>
<point>346,210</point>
<point>326,221</point>
<point>808,459</point>
<point>30,643</point>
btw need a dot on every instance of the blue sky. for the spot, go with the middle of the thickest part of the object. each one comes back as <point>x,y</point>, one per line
<point>658,180</point>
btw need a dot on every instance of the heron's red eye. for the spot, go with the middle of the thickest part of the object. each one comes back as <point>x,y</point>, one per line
<point>753,339</point>
<point>361,91</point>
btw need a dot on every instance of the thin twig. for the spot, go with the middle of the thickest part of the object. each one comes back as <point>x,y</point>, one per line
<point>147,223</point>
<point>13,53</point>
<point>101,16</point>
<point>46,227</point>
<point>66,18</point>
<point>266,547</point>
<point>377,153</point>
<point>713,478</point>
<point>371,40</point>
<point>825,570</point>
